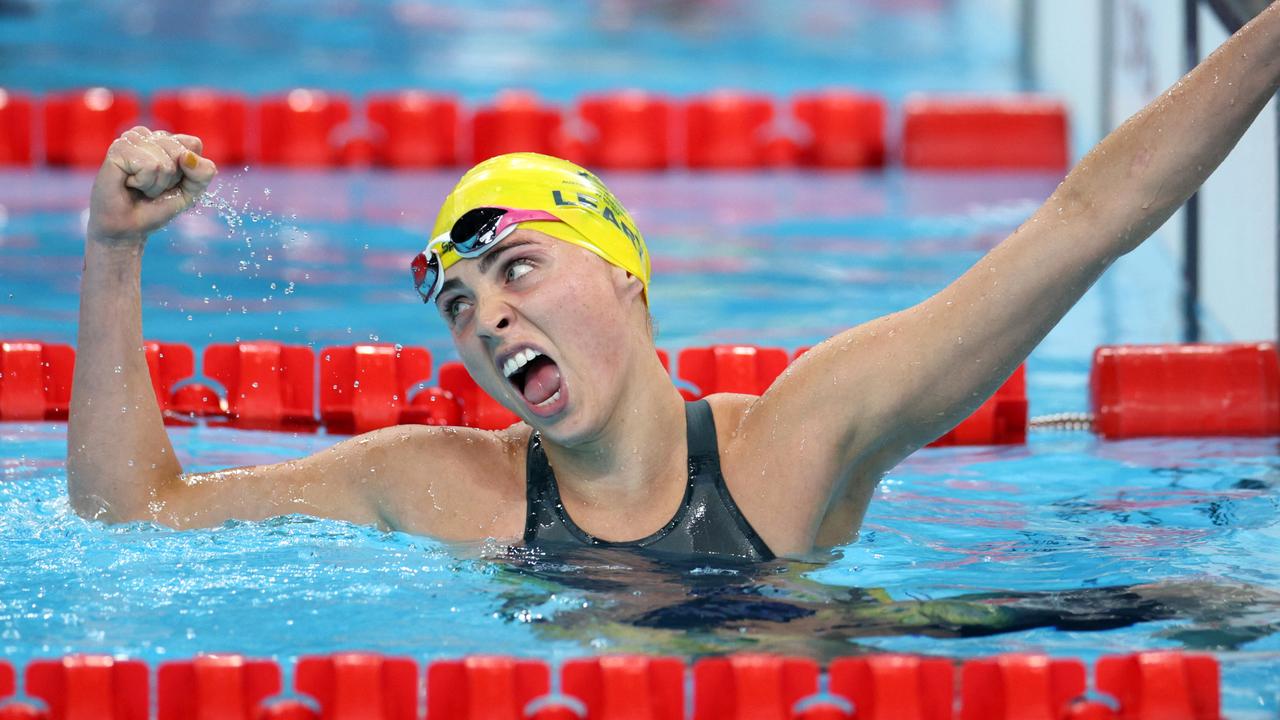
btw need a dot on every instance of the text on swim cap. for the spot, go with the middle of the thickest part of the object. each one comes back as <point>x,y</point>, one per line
<point>611,211</point>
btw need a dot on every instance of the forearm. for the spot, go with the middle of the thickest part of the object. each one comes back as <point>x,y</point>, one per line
<point>1132,181</point>
<point>118,453</point>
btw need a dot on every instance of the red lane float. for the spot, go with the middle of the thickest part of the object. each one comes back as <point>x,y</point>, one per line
<point>168,364</point>
<point>895,687</point>
<point>35,380</point>
<point>623,686</point>
<point>730,368</point>
<point>1184,390</point>
<point>79,126</point>
<point>727,131</point>
<point>1158,685</point>
<point>219,119</point>
<point>414,129</point>
<point>8,683</point>
<point>744,687</point>
<point>366,387</point>
<point>630,130</point>
<point>1011,687</point>
<point>301,128</point>
<point>269,385</point>
<point>479,409</point>
<point>81,687</point>
<point>215,686</point>
<point>1001,420</point>
<point>516,122</point>
<point>1024,133</point>
<point>433,406</point>
<point>1088,710</point>
<point>846,129</point>
<point>16,112</point>
<point>484,686</point>
<point>1145,686</point>
<point>361,685</point>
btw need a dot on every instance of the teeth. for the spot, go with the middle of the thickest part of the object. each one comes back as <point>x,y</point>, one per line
<point>549,400</point>
<point>517,361</point>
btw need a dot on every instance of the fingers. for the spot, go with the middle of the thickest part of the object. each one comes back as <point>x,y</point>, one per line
<point>164,169</point>
<point>152,160</point>
<point>197,173</point>
<point>190,142</point>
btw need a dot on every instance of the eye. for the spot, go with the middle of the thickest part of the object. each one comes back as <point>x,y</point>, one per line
<point>454,307</point>
<point>518,268</point>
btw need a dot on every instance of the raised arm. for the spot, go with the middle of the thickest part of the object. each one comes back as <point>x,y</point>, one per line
<point>120,463</point>
<point>870,396</point>
<point>118,454</point>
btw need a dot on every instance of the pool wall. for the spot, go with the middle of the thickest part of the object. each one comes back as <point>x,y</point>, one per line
<point>1110,58</point>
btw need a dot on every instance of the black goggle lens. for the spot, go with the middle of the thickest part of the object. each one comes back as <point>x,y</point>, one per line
<point>470,230</point>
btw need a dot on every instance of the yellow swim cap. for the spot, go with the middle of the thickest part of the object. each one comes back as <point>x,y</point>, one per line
<point>593,219</point>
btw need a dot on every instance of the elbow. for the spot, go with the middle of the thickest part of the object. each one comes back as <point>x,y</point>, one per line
<point>95,507</point>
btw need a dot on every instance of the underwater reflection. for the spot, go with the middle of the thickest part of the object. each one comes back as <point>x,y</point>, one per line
<point>628,601</point>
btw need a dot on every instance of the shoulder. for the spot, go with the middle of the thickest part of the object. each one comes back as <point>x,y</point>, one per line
<point>457,484</point>
<point>778,484</point>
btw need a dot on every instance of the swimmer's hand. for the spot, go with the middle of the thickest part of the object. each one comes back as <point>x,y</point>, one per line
<point>147,178</point>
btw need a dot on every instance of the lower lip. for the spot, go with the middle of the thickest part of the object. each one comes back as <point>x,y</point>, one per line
<point>546,411</point>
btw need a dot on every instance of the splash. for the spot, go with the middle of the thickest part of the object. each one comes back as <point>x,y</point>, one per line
<point>258,237</point>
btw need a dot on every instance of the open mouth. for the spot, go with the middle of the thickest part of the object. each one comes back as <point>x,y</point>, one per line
<point>536,378</point>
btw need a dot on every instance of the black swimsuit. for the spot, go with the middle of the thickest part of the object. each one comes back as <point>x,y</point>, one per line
<point>707,523</point>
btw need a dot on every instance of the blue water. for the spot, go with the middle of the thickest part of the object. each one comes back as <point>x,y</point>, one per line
<point>777,259</point>
<point>782,259</point>
<point>558,49</point>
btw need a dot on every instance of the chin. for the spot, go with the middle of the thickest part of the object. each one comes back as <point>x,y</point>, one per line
<point>567,429</point>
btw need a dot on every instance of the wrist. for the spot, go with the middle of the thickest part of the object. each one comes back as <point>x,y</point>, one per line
<point>129,245</point>
<point>112,256</point>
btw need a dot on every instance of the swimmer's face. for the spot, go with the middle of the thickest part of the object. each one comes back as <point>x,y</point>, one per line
<point>534,292</point>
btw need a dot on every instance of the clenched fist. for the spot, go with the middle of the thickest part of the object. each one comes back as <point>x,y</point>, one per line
<point>147,178</point>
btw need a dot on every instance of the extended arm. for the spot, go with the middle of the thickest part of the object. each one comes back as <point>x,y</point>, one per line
<point>906,378</point>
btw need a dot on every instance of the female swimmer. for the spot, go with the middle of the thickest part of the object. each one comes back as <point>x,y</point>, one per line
<point>542,279</point>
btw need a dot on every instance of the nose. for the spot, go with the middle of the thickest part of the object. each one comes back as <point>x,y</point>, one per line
<point>493,316</point>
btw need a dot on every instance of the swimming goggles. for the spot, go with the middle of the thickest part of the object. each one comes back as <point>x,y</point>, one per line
<point>472,235</point>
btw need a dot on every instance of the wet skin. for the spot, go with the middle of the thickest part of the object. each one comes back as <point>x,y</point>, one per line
<point>858,403</point>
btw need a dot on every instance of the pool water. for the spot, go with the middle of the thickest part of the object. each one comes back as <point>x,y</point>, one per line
<point>776,259</point>
<point>1049,529</point>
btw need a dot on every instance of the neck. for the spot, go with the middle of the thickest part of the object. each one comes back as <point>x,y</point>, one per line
<point>639,452</point>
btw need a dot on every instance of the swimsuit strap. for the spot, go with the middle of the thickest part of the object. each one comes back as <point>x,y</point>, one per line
<point>704,470</point>
<point>700,431</point>
<point>540,487</point>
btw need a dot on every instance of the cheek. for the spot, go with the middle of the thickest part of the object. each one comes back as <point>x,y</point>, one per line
<point>587,314</point>
<point>472,353</point>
